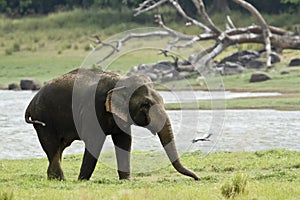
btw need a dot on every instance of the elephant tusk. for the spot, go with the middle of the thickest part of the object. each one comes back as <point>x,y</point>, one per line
<point>38,122</point>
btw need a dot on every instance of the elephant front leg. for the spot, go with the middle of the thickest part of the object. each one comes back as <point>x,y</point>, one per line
<point>122,144</point>
<point>88,165</point>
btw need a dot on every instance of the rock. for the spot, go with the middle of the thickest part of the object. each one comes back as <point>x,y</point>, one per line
<point>14,86</point>
<point>165,70</point>
<point>241,57</point>
<point>259,77</point>
<point>284,72</point>
<point>186,68</point>
<point>142,67</point>
<point>135,69</point>
<point>294,62</point>
<point>167,77</point>
<point>275,58</point>
<point>184,75</point>
<point>255,64</point>
<point>152,76</point>
<point>164,65</point>
<point>30,84</point>
<point>230,68</point>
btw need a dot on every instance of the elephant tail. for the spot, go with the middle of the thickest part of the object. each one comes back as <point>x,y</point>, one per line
<point>28,117</point>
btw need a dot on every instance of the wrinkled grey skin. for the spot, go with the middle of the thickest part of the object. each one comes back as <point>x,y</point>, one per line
<point>50,112</point>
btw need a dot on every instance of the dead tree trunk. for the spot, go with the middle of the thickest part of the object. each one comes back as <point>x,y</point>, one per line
<point>273,38</point>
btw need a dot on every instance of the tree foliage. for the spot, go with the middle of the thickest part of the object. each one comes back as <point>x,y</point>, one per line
<point>27,7</point>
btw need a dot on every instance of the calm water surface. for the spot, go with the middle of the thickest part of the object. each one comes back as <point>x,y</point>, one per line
<point>233,130</point>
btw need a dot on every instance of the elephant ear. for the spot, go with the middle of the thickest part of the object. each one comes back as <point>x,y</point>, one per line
<point>115,103</point>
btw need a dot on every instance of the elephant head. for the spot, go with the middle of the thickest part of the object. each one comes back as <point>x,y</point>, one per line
<point>135,101</point>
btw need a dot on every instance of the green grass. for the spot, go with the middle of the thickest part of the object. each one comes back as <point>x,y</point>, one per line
<point>272,174</point>
<point>40,66</point>
<point>283,102</point>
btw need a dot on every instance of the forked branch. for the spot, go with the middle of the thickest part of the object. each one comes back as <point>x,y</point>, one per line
<point>271,37</point>
<point>265,27</point>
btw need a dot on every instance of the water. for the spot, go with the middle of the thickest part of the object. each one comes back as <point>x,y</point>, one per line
<point>233,130</point>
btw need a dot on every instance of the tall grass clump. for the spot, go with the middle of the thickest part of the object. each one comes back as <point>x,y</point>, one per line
<point>6,196</point>
<point>15,47</point>
<point>235,187</point>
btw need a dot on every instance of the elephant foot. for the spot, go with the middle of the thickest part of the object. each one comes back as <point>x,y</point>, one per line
<point>83,178</point>
<point>55,174</point>
<point>124,175</point>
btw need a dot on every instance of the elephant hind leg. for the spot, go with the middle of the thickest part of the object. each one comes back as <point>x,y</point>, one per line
<point>51,144</point>
<point>54,170</point>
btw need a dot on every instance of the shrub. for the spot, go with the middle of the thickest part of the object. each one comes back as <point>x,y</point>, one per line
<point>235,187</point>
<point>8,51</point>
<point>87,47</point>
<point>16,47</point>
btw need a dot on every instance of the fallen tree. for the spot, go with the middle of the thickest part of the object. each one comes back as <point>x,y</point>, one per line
<point>273,38</point>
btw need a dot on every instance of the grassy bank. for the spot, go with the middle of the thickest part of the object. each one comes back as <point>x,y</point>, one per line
<point>283,102</point>
<point>272,174</point>
<point>44,47</point>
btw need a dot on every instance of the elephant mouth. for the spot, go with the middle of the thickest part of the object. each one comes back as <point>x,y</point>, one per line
<point>152,130</point>
<point>141,120</point>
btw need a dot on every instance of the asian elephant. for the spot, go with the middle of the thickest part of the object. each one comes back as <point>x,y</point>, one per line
<point>118,102</point>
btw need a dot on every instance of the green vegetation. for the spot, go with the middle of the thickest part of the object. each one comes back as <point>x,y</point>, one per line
<point>284,102</point>
<point>272,174</point>
<point>49,46</point>
<point>235,187</point>
<point>29,7</point>
<point>45,47</point>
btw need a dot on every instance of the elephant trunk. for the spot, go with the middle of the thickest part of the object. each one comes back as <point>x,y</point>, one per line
<point>167,140</point>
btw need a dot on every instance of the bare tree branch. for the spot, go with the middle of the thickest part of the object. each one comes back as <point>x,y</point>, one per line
<point>231,24</point>
<point>271,37</point>
<point>265,28</point>
<point>190,19</point>
<point>201,10</point>
<point>151,4</point>
<point>145,7</point>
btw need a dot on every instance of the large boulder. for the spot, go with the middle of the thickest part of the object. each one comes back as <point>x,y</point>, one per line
<point>164,65</point>
<point>275,58</point>
<point>165,70</point>
<point>242,57</point>
<point>230,68</point>
<point>185,68</point>
<point>295,63</point>
<point>255,64</point>
<point>259,77</point>
<point>14,86</point>
<point>30,84</point>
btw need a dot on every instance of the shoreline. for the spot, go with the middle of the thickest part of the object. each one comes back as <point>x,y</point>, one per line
<point>282,102</point>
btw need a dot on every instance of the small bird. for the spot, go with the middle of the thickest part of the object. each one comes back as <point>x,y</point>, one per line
<point>205,137</point>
